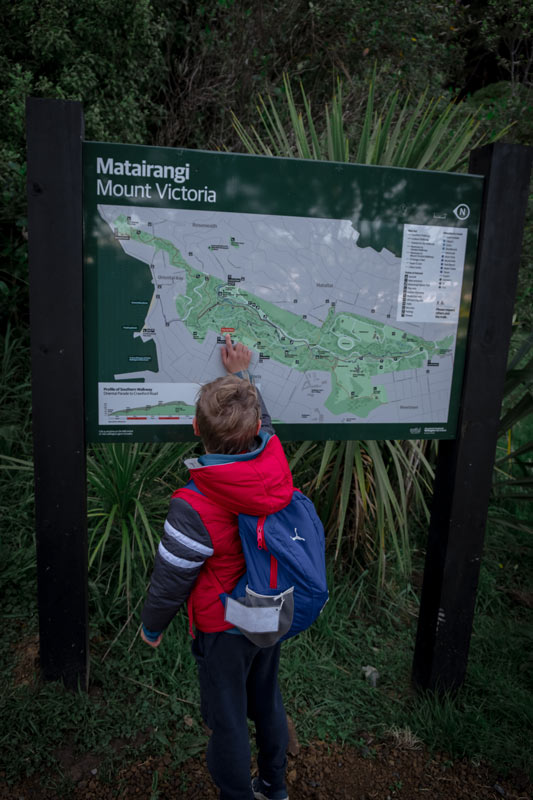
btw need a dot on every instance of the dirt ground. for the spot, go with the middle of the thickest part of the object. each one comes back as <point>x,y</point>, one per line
<point>398,769</point>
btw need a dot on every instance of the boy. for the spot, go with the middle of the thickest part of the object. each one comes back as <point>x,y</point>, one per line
<point>244,470</point>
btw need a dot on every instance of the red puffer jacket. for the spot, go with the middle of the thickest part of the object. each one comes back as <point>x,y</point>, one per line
<point>200,555</point>
<point>258,486</point>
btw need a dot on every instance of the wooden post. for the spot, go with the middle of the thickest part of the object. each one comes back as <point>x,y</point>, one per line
<point>54,135</point>
<point>464,468</point>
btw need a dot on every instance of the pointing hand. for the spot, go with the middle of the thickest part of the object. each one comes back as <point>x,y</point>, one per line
<point>235,357</point>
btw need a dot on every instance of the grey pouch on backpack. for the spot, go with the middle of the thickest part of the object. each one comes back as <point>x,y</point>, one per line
<point>263,619</point>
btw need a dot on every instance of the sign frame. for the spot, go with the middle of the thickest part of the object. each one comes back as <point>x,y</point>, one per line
<point>464,466</point>
<point>261,187</point>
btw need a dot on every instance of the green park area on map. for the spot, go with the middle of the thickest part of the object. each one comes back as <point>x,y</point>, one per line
<point>350,347</point>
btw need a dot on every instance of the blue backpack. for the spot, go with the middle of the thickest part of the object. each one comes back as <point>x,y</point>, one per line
<point>285,578</point>
<point>284,587</point>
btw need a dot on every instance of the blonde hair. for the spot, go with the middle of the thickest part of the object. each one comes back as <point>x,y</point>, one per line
<point>227,414</point>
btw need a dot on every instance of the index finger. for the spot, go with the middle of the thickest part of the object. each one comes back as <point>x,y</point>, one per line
<point>226,349</point>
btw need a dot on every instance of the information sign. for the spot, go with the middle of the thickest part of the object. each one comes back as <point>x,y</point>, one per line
<point>351,284</point>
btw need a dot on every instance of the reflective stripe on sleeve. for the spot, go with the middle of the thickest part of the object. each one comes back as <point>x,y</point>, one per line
<point>175,561</point>
<point>192,544</point>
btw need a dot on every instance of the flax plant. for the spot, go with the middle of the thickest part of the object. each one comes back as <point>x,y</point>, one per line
<point>513,470</point>
<point>126,510</point>
<point>367,492</point>
<point>433,133</point>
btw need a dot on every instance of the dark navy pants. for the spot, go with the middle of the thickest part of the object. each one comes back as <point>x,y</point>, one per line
<point>238,681</point>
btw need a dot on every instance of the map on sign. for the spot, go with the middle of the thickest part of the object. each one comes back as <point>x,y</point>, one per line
<point>340,333</point>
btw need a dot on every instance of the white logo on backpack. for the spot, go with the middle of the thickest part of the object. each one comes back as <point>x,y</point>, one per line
<point>297,538</point>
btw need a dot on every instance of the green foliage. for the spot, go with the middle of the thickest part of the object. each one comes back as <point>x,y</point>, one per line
<point>502,102</point>
<point>128,495</point>
<point>430,134</point>
<point>141,697</point>
<point>220,54</point>
<point>506,29</point>
<point>498,684</point>
<point>518,389</point>
<point>13,238</point>
<point>14,392</point>
<point>17,546</point>
<point>524,294</point>
<point>513,472</point>
<point>368,493</point>
<point>105,53</point>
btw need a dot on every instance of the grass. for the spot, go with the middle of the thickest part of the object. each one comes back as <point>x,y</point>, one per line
<point>144,702</point>
<point>148,700</point>
<point>488,719</point>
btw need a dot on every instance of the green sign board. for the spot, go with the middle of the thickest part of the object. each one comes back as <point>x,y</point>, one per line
<point>351,285</point>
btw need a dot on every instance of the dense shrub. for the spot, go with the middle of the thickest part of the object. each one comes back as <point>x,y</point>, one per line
<point>106,53</point>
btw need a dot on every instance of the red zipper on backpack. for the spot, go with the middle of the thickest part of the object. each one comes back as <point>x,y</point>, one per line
<point>261,544</point>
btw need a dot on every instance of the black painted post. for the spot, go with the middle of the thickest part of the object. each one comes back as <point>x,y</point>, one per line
<point>54,136</point>
<point>464,468</point>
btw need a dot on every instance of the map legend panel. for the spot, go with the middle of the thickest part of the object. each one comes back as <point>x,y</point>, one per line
<point>431,278</point>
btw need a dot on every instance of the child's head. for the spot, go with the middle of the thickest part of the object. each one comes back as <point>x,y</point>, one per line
<point>228,413</point>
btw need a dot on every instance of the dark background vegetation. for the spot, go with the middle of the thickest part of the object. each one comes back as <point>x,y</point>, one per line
<point>170,73</point>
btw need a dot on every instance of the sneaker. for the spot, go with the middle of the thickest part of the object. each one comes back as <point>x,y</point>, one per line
<point>262,791</point>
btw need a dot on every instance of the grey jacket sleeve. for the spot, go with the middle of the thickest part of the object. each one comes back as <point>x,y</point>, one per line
<point>184,547</point>
<point>266,420</point>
